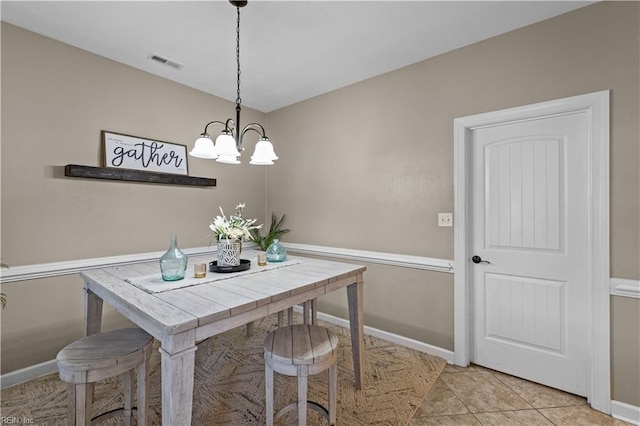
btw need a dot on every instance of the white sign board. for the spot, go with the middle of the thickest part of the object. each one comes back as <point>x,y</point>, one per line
<point>131,152</point>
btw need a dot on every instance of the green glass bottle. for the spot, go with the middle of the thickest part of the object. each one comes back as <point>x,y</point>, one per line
<point>276,252</point>
<point>173,264</point>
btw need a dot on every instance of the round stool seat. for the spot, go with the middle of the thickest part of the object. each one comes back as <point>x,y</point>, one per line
<point>103,355</point>
<point>301,350</point>
<point>301,344</point>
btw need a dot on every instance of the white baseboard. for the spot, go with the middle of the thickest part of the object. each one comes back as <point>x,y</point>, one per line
<point>28,373</point>
<point>625,412</point>
<point>445,354</point>
<point>38,370</point>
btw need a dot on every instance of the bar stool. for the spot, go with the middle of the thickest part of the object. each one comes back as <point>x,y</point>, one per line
<point>301,350</point>
<point>100,356</point>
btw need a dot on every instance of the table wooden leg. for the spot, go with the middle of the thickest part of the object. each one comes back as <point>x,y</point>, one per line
<point>356,321</point>
<point>143,390</point>
<point>92,325</point>
<point>178,366</point>
<point>92,313</point>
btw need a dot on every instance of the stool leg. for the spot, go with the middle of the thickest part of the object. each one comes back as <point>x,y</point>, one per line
<point>306,308</point>
<point>333,393</point>
<point>143,389</point>
<point>314,311</point>
<point>80,401</point>
<point>128,397</point>
<point>310,311</point>
<point>71,404</point>
<point>303,373</point>
<point>268,373</point>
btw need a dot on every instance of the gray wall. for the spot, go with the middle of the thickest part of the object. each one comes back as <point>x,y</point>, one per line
<point>368,167</point>
<point>55,101</point>
<point>373,163</point>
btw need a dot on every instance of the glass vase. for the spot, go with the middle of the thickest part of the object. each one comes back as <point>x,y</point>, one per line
<point>173,264</point>
<point>276,252</point>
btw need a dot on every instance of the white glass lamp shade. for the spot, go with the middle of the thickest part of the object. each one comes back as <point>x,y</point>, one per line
<point>263,154</point>
<point>204,148</point>
<point>228,159</point>
<point>226,146</point>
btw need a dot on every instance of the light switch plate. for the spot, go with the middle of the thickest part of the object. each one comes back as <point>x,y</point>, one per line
<point>445,219</point>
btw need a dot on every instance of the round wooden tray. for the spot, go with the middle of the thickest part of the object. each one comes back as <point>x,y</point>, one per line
<point>243,266</point>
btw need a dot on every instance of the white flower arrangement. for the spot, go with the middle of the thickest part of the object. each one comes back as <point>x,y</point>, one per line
<point>235,227</point>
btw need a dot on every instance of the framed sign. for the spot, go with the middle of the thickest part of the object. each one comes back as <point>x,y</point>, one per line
<point>132,152</point>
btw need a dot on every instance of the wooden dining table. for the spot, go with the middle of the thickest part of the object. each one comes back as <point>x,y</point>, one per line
<point>181,314</point>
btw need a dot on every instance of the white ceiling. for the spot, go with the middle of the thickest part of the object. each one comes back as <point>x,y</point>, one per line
<point>290,50</point>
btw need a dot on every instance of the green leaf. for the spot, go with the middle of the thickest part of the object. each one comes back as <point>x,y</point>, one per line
<point>263,242</point>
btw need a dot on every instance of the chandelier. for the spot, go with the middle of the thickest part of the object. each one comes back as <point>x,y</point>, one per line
<point>228,145</point>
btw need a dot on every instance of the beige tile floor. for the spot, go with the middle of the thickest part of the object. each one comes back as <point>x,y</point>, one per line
<point>479,396</point>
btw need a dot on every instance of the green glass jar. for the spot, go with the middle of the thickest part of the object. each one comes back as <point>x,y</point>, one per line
<point>276,252</point>
<point>173,264</point>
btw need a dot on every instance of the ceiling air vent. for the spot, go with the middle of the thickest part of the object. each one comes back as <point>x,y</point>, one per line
<point>165,61</point>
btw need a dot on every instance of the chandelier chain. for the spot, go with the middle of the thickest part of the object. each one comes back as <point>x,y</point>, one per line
<point>238,99</point>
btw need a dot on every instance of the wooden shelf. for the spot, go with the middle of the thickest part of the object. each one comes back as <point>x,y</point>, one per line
<point>74,170</point>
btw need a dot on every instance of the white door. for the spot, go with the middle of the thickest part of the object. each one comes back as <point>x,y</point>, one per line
<point>530,221</point>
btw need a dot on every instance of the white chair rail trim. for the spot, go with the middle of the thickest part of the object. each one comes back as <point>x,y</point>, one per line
<point>624,287</point>
<point>393,259</point>
<point>619,286</point>
<point>54,269</point>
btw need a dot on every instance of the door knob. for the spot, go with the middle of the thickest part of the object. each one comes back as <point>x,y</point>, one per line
<point>478,259</point>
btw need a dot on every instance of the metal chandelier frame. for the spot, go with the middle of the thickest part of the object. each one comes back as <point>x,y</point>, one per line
<point>228,146</point>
